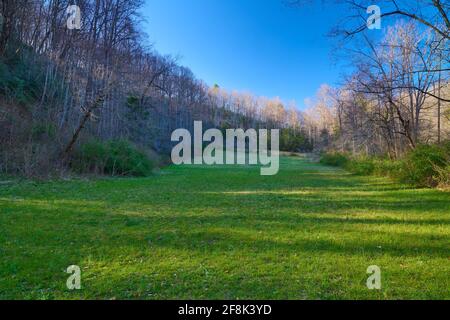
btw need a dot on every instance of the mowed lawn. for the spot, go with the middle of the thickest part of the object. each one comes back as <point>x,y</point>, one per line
<point>310,232</point>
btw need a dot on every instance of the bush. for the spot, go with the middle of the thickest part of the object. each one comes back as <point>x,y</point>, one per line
<point>91,157</point>
<point>442,176</point>
<point>124,159</point>
<point>361,166</point>
<point>334,159</point>
<point>376,166</point>
<point>116,157</point>
<point>427,165</point>
<point>389,168</point>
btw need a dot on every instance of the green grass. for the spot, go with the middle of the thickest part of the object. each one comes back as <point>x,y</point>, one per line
<point>310,232</point>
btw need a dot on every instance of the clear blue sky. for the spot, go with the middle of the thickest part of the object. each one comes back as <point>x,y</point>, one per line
<point>260,46</point>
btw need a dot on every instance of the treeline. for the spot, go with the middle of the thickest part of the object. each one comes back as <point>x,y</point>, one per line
<point>62,88</point>
<point>391,115</point>
<point>398,94</point>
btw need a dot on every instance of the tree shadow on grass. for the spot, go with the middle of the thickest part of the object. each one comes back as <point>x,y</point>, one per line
<point>220,232</point>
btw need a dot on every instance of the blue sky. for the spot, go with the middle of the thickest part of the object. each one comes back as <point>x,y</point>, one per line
<point>260,46</point>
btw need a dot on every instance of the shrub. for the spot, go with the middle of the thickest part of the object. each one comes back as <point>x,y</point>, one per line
<point>361,166</point>
<point>364,165</point>
<point>116,157</point>
<point>334,159</point>
<point>389,168</point>
<point>425,164</point>
<point>442,176</point>
<point>125,159</point>
<point>91,157</point>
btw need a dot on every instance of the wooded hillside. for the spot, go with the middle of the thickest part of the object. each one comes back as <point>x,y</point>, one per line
<point>60,87</point>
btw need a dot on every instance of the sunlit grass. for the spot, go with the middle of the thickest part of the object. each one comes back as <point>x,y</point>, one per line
<point>225,232</point>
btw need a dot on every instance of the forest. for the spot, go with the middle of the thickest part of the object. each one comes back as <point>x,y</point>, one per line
<point>93,207</point>
<point>70,95</point>
<point>70,92</point>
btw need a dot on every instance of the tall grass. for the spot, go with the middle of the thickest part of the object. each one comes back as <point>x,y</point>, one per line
<point>425,166</point>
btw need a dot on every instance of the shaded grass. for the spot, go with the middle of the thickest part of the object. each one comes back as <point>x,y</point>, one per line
<point>225,232</point>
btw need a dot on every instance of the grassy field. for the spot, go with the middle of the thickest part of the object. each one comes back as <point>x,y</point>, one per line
<point>310,232</point>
